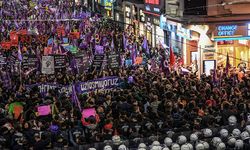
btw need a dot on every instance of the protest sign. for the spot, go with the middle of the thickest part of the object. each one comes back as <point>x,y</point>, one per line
<point>44,110</point>
<point>82,62</point>
<point>97,62</point>
<point>29,61</point>
<point>86,113</point>
<point>44,88</point>
<point>3,59</point>
<point>105,62</point>
<point>48,66</point>
<point>60,62</point>
<point>113,60</point>
<point>13,62</point>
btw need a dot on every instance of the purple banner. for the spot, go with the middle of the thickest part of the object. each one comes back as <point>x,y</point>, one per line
<point>44,88</point>
<point>106,83</point>
<point>98,84</point>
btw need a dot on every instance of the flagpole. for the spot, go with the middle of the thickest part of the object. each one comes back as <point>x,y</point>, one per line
<point>20,71</point>
<point>20,58</point>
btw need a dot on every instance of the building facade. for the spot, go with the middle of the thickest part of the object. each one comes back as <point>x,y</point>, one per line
<point>223,30</point>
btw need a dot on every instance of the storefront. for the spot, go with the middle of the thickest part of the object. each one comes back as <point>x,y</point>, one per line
<point>153,32</point>
<point>234,40</point>
<point>215,41</point>
<point>176,36</point>
<point>201,49</point>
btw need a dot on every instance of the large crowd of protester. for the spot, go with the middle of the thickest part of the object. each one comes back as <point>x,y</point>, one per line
<point>156,106</point>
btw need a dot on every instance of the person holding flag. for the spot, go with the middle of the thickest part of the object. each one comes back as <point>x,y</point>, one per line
<point>227,66</point>
<point>171,57</point>
<point>145,46</point>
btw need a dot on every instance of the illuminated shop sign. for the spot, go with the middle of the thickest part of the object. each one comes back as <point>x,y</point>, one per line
<point>153,2</point>
<point>148,8</point>
<point>154,6</point>
<point>183,32</point>
<point>227,30</point>
<point>240,31</point>
<point>156,10</point>
<point>166,26</point>
<point>108,4</point>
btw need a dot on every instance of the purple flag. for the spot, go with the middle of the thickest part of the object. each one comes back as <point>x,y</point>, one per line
<point>227,65</point>
<point>133,53</point>
<point>112,44</point>
<point>73,65</point>
<point>165,66</point>
<point>145,45</point>
<point>124,41</point>
<point>99,49</point>
<point>74,98</point>
<point>20,57</point>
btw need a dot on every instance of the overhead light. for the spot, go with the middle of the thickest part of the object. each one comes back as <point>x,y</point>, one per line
<point>223,4</point>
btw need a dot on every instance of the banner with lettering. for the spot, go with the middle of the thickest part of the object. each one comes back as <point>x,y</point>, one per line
<point>3,59</point>
<point>29,61</point>
<point>102,84</point>
<point>113,60</point>
<point>13,62</point>
<point>43,110</point>
<point>28,39</point>
<point>82,62</point>
<point>97,62</point>
<point>46,87</point>
<point>60,63</point>
<point>48,65</point>
<point>98,84</point>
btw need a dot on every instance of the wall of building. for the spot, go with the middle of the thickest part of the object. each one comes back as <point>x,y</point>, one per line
<point>227,7</point>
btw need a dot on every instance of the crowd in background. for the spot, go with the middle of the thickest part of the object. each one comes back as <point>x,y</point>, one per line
<point>153,102</point>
